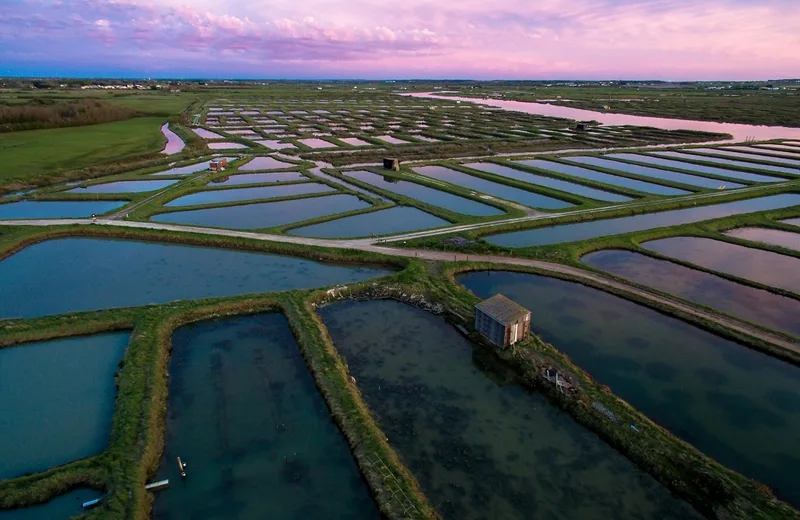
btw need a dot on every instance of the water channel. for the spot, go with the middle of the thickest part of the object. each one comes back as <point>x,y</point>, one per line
<point>29,209</point>
<point>174,143</point>
<point>242,194</point>
<point>399,219</point>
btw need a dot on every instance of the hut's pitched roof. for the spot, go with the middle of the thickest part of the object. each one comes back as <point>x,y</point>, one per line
<point>502,309</point>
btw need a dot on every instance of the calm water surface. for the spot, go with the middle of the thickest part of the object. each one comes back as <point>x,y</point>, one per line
<point>754,177</point>
<point>266,214</point>
<point>60,508</point>
<point>190,168</point>
<point>174,143</point>
<point>225,145</point>
<point>755,305</point>
<point>275,145</point>
<point>550,182</point>
<point>775,237</point>
<point>79,274</point>
<point>729,162</point>
<point>749,156</point>
<point>766,267</point>
<point>57,399</point>
<point>206,134</point>
<point>390,139</point>
<point>258,439</point>
<point>480,449</point>
<point>425,194</point>
<point>313,142</point>
<point>645,171</point>
<point>607,178</point>
<point>527,198</point>
<point>57,209</point>
<point>354,141</point>
<point>258,178</point>
<point>124,187</point>
<point>792,221</point>
<point>616,226</point>
<point>265,163</point>
<point>768,150</point>
<point>240,194</point>
<point>384,222</point>
<point>734,404</point>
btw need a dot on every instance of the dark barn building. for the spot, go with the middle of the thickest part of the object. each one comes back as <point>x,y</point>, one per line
<point>502,321</point>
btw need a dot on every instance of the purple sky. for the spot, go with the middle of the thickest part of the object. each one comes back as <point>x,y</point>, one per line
<point>523,39</point>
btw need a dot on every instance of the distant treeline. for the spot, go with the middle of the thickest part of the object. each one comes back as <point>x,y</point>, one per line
<point>49,113</point>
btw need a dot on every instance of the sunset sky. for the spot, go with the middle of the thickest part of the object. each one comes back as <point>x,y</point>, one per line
<point>520,39</point>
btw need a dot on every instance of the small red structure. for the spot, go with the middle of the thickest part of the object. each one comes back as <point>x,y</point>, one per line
<point>217,165</point>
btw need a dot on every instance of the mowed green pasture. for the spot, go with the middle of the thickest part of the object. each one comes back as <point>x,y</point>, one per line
<point>37,153</point>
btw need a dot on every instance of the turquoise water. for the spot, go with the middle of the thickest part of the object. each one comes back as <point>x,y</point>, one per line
<point>527,198</point>
<point>774,237</point>
<point>266,214</point>
<point>748,156</point>
<point>383,222</point>
<point>615,226</point>
<point>729,162</point>
<point>265,163</point>
<point>79,274</point>
<point>736,405</point>
<point>478,448</point>
<point>550,182</point>
<point>60,508</point>
<point>645,171</point>
<point>754,305</point>
<point>258,440</point>
<point>607,178</point>
<point>57,399</point>
<point>78,209</point>
<point>240,194</point>
<point>754,177</point>
<point>188,169</point>
<point>258,178</point>
<point>422,193</point>
<point>758,265</point>
<point>124,187</point>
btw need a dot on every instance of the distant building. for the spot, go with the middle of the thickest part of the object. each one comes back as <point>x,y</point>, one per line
<point>580,127</point>
<point>502,321</point>
<point>217,165</point>
<point>391,164</point>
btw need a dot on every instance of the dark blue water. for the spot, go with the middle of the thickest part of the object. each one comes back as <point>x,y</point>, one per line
<point>766,267</point>
<point>480,449</point>
<point>569,187</point>
<point>616,226</point>
<point>423,193</point>
<point>123,187</point>
<point>527,198</point>
<point>61,507</point>
<point>241,194</point>
<point>57,399</point>
<point>399,219</point>
<point>258,178</point>
<point>607,178</point>
<point>754,177</point>
<point>79,274</point>
<point>245,416</point>
<point>729,162</point>
<point>735,404</point>
<point>78,209</point>
<point>754,305</point>
<point>266,214</point>
<point>645,171</point>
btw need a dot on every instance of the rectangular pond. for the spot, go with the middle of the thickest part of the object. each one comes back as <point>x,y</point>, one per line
<point>749,303</point>
<point>190,168</point>
<point>607,178</point>
<point>792,221</point>
<point>794,150</point>
<point>57,399</point>
<point>61,507</point>
<point>80,274</point>
<point>28,209</point>
<point>225,145</point>
<point>748,156</point>
<point>769,151</point>
<point>123,187</point>
<point>258,439</point>
<point>265,163</point>
<point>206,134</point>
<point>480,449</point>
<point>728,162</point>
<point>390,221</point>
<point>616,226</point>
<point>275,145</point>
<point>524,197</point>
<point>550,182</point>
<point>736,405</point>
<point>354,141</point>
<point>667,163</point>
<point>758,265</point>
<point>775,237</point>
<point>645,171</point>
<point>313,142</point>
<point>425,194</point>
<point>257,178</point>
<point>265,214</point>
<point>242,194</point>
<point>390,139</point>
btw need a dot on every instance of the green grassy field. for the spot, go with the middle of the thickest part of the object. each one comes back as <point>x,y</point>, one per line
<point>37,154</point>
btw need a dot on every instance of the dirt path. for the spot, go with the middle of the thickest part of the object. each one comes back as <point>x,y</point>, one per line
<point>369,245</point>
